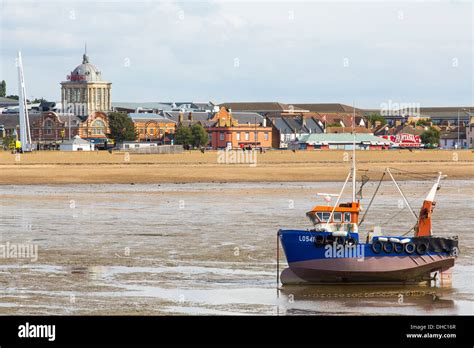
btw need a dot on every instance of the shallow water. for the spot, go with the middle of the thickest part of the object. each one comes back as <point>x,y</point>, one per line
<point>204,249</point>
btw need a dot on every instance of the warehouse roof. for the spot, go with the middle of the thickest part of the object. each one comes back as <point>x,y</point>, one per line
<point>342,138</point>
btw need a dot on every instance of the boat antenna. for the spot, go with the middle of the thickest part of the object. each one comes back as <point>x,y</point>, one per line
<point>353,155</point>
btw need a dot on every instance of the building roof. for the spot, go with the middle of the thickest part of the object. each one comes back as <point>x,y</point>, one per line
<point>358,129</point>
<point>262,107</point>
<point>77,140</point>
<point>407,129</point>
<point>85,72</point>
<point>12,120</point>
<point>453,133</point>
<point>247,117</point>
<point>145,105</point>
<point>9,121</point>
<point>328,107</point>
<point>342,138</point>
<point>290,125</point>
<point>314,125</point>
<point>196,115</point>
<point>190,106</point>
<point>148,116</point>
<point>4,100</point>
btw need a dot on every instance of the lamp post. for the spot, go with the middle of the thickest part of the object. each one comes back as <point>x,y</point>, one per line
<point>465,110</point>
<point>457,144</point>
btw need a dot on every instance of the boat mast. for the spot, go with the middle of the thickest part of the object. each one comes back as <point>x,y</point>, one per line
<point>25,132</point>
<point>353,155</point>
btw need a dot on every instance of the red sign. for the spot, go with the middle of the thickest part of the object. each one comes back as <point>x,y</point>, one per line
<point>76,77</point>
<point>404,139</point>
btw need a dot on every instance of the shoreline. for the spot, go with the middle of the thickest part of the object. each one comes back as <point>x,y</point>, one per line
<point>52,168</point>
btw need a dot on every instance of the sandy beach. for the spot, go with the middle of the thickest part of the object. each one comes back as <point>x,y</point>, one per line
<point>272,166</point>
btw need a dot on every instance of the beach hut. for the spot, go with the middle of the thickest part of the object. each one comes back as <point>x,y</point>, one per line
<point>76,144</point>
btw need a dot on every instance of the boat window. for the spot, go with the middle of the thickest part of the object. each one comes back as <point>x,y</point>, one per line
<point>347,217</point>
<point>337,217</point>
<point>323,217</point>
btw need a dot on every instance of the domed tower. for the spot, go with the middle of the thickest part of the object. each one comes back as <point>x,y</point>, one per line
<point>85,91</point>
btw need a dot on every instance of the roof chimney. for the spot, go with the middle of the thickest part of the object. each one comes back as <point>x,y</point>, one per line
<point>190,116</point>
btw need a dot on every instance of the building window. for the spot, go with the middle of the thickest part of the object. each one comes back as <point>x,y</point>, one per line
<point>48,127</point>
<point>98,127</point>
<point>151,131</point>
<point>247,136</point>
<point>221,136</point>
<point>265,136</point>
<point>237,136</point>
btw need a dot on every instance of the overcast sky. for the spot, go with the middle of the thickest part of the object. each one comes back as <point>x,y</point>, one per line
<point>362,52</point>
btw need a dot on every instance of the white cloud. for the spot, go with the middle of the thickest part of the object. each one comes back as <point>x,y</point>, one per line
<point>286,51</point>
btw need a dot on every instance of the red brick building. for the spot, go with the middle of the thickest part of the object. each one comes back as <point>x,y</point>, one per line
<point>227,132</point>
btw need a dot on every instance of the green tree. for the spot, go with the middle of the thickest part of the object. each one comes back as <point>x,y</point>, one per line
<point>7,141</point>
<point>39,100</point>
<point>183,136</point>
<point>372,118</point>
<point>422,123</point>
<point>430,137</point>
<point>3,88</point>
<point>15,97</point>
<point>335,124</point>
<point>200,137</point>
<point>121,127</point>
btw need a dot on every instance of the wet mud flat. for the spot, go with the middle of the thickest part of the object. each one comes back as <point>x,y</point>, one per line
<point>165,249</point>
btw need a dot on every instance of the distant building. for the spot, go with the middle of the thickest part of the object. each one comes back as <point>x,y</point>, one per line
<point>4,102</point>
<point>192,106</point>
<point>229,131</point>
<point>449,115</point>
<point>287,129</point>
<point>133,145</point>
<point>49,129</point>
<point>453,138</point>
<point>152,127</point>
<point>342,141</point>
<point>189,118</point>
<point>470,133</point>
<point>330,108</point>
<point>85,91</point>
<point>268,109</point>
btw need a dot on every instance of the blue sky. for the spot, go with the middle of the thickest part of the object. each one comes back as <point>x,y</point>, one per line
<point>313,51</point>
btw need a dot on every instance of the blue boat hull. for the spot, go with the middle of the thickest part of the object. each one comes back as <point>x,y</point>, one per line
<point>332,263</point>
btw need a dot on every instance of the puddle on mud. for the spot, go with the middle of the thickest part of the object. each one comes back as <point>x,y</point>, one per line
<point>202,249</point>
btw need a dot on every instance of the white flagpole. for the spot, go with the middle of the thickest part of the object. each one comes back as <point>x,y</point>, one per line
<point>353,155</point>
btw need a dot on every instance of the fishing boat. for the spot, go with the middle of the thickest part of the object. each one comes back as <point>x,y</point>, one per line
<point>333,251</point>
